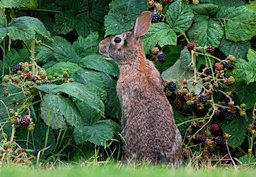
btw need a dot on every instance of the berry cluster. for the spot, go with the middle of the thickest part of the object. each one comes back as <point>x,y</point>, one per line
<point>25,77</point>
<point>156,6</point>
<point>158,55</point>
<point>212,80</point>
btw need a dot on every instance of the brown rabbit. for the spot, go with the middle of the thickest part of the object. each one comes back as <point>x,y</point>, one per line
<point>149,128</point>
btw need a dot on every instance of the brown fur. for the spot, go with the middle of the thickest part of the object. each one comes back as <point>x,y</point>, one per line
<point>148,123</point>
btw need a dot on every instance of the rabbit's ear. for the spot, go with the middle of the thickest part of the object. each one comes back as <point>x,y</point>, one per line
<point>142,24</point>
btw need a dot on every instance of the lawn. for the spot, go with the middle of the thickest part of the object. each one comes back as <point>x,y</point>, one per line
<point>117,171</point>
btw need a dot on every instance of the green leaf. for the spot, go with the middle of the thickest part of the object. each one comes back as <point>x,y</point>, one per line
<point>29,23</point>
<point>122,15</point>
<point>63,51</point>
<point>88,45</point>
<point>246,94</point>
<point>226,3</point>
<point>44,54</point>
<point>179,16</point>
<point>205,9</point>
<point>98,133</point>
<point>161,34</point>
<point>65,22</point>
<point>85,25</point>
<point>240,23</point>
<point>98,63</point>
<point>237,128</point>
<point>176,72</point>
<point>20,32</point>
<point>207,32</point>
<point>100,9</point>
<point>61,66</point>
<point>13,3</point>
<point>14,57</point>
<point>247,159</point>
<point>245,70</point>
<point>237,49</point>
<point>82,93</point>
<point>172,54</point>
<point>3,33</point>
<point>52,108</point>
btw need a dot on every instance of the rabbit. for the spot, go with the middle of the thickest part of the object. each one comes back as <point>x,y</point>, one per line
<point>148,125</point>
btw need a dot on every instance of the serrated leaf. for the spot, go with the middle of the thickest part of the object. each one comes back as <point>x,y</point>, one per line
<point>88,45</point>
<point>122,15</point>
<point>63,51</point>
<point>61,66</point>
<point>97,133</point>
<point>3,33</point>
<point>19,32</point>
<point>161,34</point>
<point>31,24</point>
<point>240,23</point>
<point>207,32</point>
<point>52,111</point>
<point>65,22</point>
<point>179,16</point>
<point>14,57</point>
<point>205,9</point>
<point>100,9</point>
<point>185,59</point>
<point>178,73</point>
<point>82,93</point>
<point>237,49</point>
<point>245,70</point>
<point>246,94</point>
<point>226,3</point>
<point>237,128</point>
<point>44,54</point>
<point>85,25</point>
<point>248,159</point>
<point>98,63</point>
<point>13,3</point>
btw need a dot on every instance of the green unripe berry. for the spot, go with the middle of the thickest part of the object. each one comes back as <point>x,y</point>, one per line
<point>242,113</point>
<point>6,93</point>
<point>55,75</point>
<point>31,127</point>
<point>16,79</point>
<point>65,74</point>
<point>243,106</point>
<point>26,69</point>
<point>38,82</point>
<point>6,78</point>
<point>4,136</point>
<point>28,83</point>
<point>28,93</point>
<point>42,74</point>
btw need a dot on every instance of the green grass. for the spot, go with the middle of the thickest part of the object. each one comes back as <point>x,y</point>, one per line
<point>115,171</point>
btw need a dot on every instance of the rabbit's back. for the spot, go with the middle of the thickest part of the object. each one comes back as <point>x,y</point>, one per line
<point>149,128</point>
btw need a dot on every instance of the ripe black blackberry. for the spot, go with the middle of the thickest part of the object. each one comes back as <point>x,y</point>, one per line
<point>229,116</point>
<point>203,99</point>
<point>220,140</point>
<point>162,58</point>
<point>229,65</point>
<point>155,17</point>
<point>17,68</point>
<point>203,138</point>
<point>208,71</point>
<point>171,86</point>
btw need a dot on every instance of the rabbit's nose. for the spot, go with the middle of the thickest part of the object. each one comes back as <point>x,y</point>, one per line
<point>103,47</point>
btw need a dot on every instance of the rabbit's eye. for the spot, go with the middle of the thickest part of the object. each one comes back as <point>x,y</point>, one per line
<point>117,40</point>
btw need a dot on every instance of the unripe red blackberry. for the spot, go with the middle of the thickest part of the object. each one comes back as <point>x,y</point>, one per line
<point>191,46</point>
<point>165,1</point>
<point>25,120</point>
<point>215,128</point>
<point>209,49</point>
<point>218,66</point>
<point>186,154</point>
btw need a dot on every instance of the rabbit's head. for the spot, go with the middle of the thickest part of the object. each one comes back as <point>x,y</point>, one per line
<point>127,47</point>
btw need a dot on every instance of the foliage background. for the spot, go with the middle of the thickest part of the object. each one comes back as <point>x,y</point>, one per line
<point>81,118</point>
